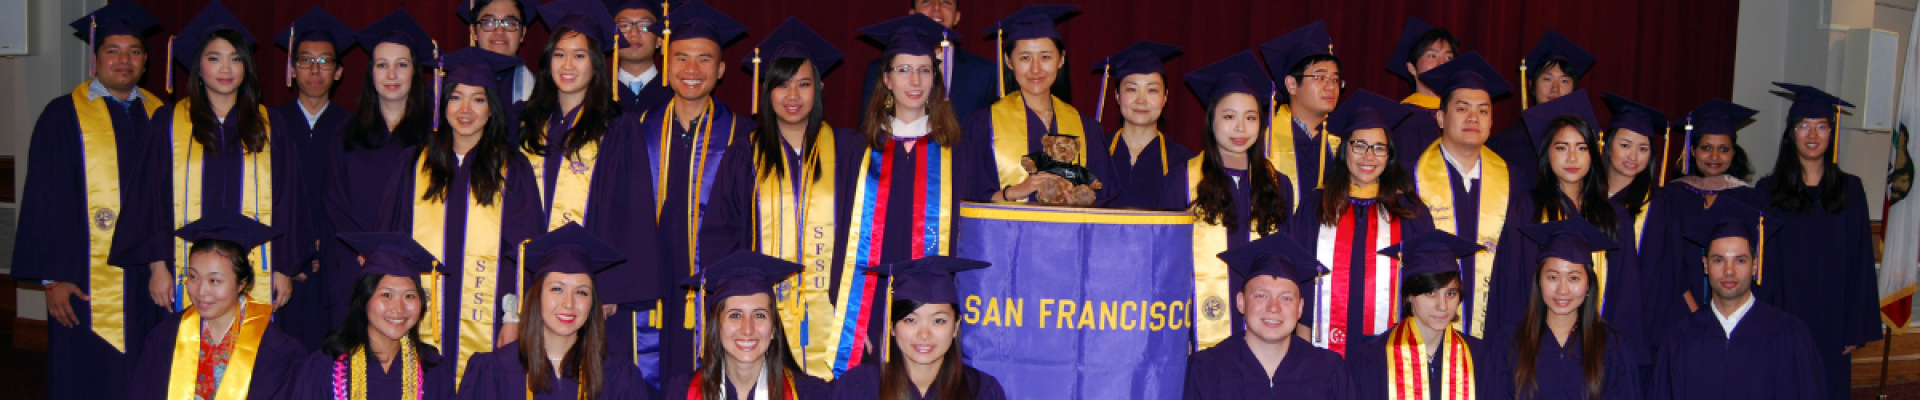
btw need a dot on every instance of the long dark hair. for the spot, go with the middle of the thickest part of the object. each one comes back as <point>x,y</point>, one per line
<point>876,122</point>
<point>1393,183</point>
<point>950,383</point>
<point>246,105</point>
<point>1214,201</point>
<point>1593,188</point>
<point>1739,168</point>
<point>368,129</point>
<point>597,110</point>
<point>1786,192</point>
<point>766,141</point>
<point>486,179</point>
<point>713,366</point>
<point>353,333</point>
<point>242,264</point>
<point>1593,339</point>
<point>1634,196</point>
<point>582,362</point>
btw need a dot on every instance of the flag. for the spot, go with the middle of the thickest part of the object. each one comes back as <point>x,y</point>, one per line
<point>1900,259</point>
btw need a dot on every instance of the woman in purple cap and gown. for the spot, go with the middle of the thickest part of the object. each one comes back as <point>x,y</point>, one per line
<point>745,354</point>
<point>379,354</point>
<point>1562,347</point>
<point>1144,161</point>
<point>1032,52</point>
<point>924,361</point>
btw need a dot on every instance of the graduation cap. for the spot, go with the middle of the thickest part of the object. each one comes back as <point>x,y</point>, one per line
<point>1035,21</point>
<point>1397,61</point>
<point>1283,52</point>
<point>1432,252</point>
<point>1571,239</point>
<point>1278,256</point>
<point>1239,73</point>
<point>213,18</point>
<point>474,66</point>
<point>569,250</point>
<point>1810,102</point>
<point>395,254</point>
<point>116,18</point>
<point>314,26</point>
<point>1365,109</point>
<point>917,35</point>
<point>228,226</point>
<point>468,12</point>
<point>1142,57</point>
<point>616,6</point>
<point>1733,218</point>
<point>1715,117</point>
<point>1469,71</point>
<point>586,17</point>
<point>1537,118</point>
<point>743,273</point>
<point>399,28</point>
<point>1554,47</point>
<point>1633,116</point>
<point>927,279</point>
<point>793,39</point>
<point>697,20</point>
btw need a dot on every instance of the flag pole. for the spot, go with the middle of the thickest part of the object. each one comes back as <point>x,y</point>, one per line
<point>1886,355</point>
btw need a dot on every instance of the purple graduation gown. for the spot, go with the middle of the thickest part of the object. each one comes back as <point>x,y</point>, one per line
<point>1414,135</point>
<point>1467,225</point>
<point>311,298</point>
<point>1140,184</point>
<point>805,387</point>
<point>1307,163</point>
<point>1304,226</point>
<point>1820,269</point>
<point>979,133</point>
<point>314,379</point>
<point>1238,232</point>
<point>356,191</point>
<point>729,223</point>
<point>1559,371</point>
<point>1229,370</point>
<point>863,383</point>
<point>500,376</point>
<point>652,94</point>
<point>1517,267</point>
<point>1523,156</point>
<point>54,209</point>
<point>275,366</point>
<point>1673,266</point>
<point>1771,356</point>
<point>676,342</point>
<point>1367,364</point>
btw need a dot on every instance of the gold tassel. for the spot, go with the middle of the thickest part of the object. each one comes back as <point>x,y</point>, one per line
<point>1666,143</point>
<point>170,67</point>
<point>756,80</point>
<point>475,14</point>
<point>1100,110</point>
<point>430,321</point>
<point>615,73</point>
<point>886,340</point>
<point>1835,123</point>
<point>291,48</point>
<point>666,42</point>
<point>1000,46</point>
<point>93,39</point>
<point>1523,84</point>
<point>1759,261</point>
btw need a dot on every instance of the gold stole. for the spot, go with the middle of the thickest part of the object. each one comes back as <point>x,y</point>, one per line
<point>1407,364</point>
<point>239,373</point>
<point>1010,134</point>
<point>1210,288</point>
<point>1424,101</point>
<point>570,188</point>
<point>1113,148</point>
<point>480,254</point>
<point>801,233</point>
<point>101,160</point>
<point>1280,149</point>
<point>256,198</point>
<point>1436,189</point>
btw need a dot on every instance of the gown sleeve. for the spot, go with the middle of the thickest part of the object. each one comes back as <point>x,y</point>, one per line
<point>55,200</point>
<point>725,224</point>
<point>1862,305</point>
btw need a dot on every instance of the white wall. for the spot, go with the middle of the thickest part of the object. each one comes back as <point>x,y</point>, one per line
<point>57,63</point>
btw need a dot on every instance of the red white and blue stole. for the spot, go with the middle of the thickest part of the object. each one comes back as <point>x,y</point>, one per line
<point>1381,303</point>
<point>928,232</point>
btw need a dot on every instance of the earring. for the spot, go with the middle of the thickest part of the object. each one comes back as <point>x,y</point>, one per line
<point>889,100</point>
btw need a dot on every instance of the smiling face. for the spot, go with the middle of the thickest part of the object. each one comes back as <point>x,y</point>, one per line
<point>1567,153</point>
<point>1435,310</point>
<point>1628,152</point>
<point>566,303</point>
<point>695,67</point>
<point>467,110</point>
<point>212,284</point>
<point>502,40</point>
<point>925,335</point>
<point>1365,167</point>
<point>394,308</point>
<point>1141,98</point>
<point>910,78</point>
<point>1552,83</point>
<point>793,102</point>
<point>1317,90</point>
<point>1036,63</point>
<point>1466,118</point>
<point>1811,138</point>
<point>1236,123</point>
<point>120,61</point>
<point>746,327</point>
<point>633,23</point>
<point>1272,308</point>
<point>1714,154</point>
<point>1729,263</point>
<point>221,68</point>
<point>392,71</point>
<point>315,78</point>
<point>1563,285</point>
<point>571,65</point>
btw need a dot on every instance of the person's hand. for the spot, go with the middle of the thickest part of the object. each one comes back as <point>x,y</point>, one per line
<point>59,307</point>
<point>1026,187</point>
<point>1849,350</point>
<point>302,277</point>
<point>282,289</point>
<point>1692,305</point>
<point>509,332</point>
<point>160,286</point>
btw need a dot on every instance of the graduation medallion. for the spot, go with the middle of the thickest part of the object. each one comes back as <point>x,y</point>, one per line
<point>103,218</point>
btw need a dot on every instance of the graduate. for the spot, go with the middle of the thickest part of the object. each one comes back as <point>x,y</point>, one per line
<point>469,197</point>
<point>960,65</point>
<point>1737,346</point>
<point>744,350</point>
<point>1715,166</point>
<point>906,174</point>
<point>76,189</point>
<point>1426,356</point>
<point>1550,71</point>
<point>1237,196</point>
<point>1302,62</point>
<point>501,26</point>
<point>1824,268</point>
<point>590,168</point>
<point>222,346</point>
<point>214,152</point>
<point>1468,188</point>
<point>1268,360</point>
<point>1369,204</point>
<point>924,361</point>
<point>315,44</point>
<point>396,103</point>
<point>1563,348</point>
<point>1144,161</point>
<point>563,337</point>
<point>389,302</point>
<point>1032,52</point>
<point>1570,186</point>
<point>638,22</point>
<point>1422,47</point>
<point>686,143</point>
<point>1628,152</point>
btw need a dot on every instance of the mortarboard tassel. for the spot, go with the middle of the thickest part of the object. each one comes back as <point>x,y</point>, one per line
<point>290,50</point>
<point>1835,121</point>
<point>1523,84</point>
<point>475,15</point>
<point>431,331</point>
<point>93,28</point>
<point>1759,260</point>
<point>946,66</point>
<point>1100,109</point>
<point>615,73</point>
<point>1273,96</point>
<point>1666,143</point>
<point>886,341</point>
<point>1686,148</point>
<point>1320,180</point>
<point>1000,58</point>
<point>170,67</point>
<point>666,42</point>
<point>438,72</point>
<point>756,80</point>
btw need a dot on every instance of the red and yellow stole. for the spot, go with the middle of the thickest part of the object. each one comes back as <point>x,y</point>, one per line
<point>1335,246</point>
<point>246,346</point>
<point>256,196</point>
<point>1407,364</point>
<point>1436,190</point>
<point>795,223</point>
<point>1010,134</point>
<point>479,274</point>
<point>100,158</point>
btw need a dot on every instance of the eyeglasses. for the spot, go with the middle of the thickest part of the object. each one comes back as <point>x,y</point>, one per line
<point>631,25</point>
<point>496,25</point>
<point>1804,127</point>
<point>321,63</point>
<point>1319,79</point>
<point>1364,148</point>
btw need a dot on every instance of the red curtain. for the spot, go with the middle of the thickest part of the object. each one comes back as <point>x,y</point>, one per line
<point>1671,55</point>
